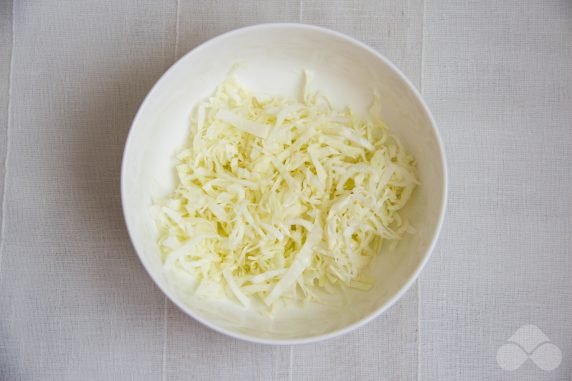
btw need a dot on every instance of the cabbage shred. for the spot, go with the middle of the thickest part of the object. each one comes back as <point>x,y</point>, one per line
<point>281,199</point>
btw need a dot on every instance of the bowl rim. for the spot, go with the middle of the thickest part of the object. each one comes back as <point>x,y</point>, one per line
<point>428,252</point>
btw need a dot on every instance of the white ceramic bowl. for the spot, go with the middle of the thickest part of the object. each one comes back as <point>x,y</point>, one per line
<point>273,57</point>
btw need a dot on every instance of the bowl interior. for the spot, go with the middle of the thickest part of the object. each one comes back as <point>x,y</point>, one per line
<point>272,59</point>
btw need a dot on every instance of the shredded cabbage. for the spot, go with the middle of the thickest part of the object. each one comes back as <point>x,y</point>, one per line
<point>280,199</point>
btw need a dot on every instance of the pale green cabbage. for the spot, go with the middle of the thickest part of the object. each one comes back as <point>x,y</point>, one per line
<point>281,199</point>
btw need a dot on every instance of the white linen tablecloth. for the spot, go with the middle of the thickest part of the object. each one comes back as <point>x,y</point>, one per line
<point>75,303</point>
